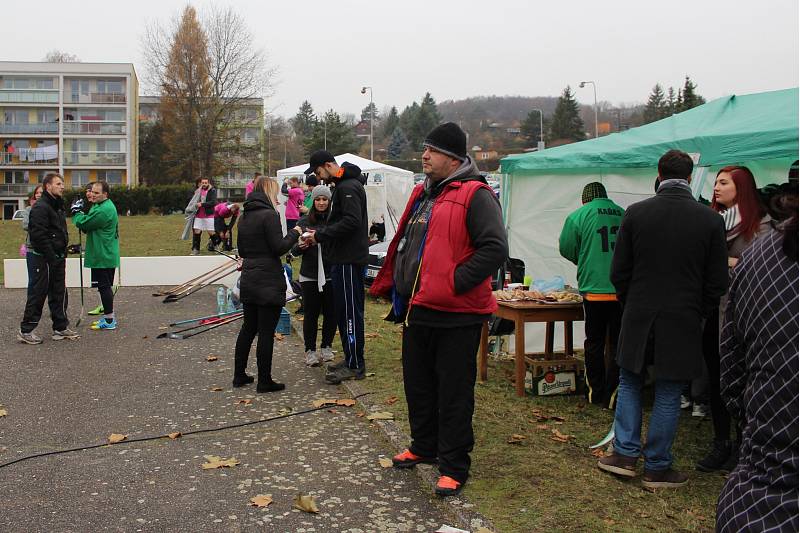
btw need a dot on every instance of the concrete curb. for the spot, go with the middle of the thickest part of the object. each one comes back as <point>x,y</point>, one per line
<point>463,510</point>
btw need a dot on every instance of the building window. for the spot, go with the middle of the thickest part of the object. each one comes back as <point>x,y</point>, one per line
<point>112,177</point>
<point>80,178</point>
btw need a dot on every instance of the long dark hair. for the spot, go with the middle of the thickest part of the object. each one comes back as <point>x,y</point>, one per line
<point>747,200</point>
<point>315,217</point>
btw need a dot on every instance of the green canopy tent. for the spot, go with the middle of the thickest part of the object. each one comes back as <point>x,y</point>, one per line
<point>540,189</point>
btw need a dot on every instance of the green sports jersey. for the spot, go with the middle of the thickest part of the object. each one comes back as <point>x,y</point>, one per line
<point>101,227</point>
<point>587,240</point>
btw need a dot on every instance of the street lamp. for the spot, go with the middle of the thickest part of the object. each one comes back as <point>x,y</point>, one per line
<point>371,118</point>
<point>594,88</point>
<point>540,146</point>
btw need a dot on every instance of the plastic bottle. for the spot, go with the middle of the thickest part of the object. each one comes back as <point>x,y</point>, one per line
<point>221,300</point>
<point>229,305</point>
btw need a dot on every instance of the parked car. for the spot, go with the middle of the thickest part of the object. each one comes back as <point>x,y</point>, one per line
<point>419,178</point>
<point>377,253</point>
<point>18,214</point>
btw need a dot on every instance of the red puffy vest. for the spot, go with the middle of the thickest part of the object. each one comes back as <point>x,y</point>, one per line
<point>447,245</point>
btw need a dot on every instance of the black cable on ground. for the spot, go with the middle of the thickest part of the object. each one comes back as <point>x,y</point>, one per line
<point>159,437</point>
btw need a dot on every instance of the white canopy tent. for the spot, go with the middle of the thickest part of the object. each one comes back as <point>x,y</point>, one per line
<point>388,188</point>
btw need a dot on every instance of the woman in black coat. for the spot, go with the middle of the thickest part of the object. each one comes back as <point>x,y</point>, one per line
<point>263,286</point>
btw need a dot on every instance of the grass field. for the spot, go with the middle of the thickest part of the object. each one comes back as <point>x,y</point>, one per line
<point>538,484</point>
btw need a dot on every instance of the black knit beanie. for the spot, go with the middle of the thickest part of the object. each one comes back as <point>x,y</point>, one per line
<point>593,190</point>
<point>448,139</point>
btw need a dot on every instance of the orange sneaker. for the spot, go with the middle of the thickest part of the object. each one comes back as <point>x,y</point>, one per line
<point>406,459</point>
<point>447,486</point>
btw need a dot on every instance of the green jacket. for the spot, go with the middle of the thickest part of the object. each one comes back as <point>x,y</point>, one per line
<point>587,240</point>
<point>101,227</point>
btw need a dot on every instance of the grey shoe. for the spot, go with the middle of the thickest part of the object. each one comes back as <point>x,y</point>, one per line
<point>312,358</point>
<point>65,333</point>
<point>664,479</point>
<point>28,338</point>
<point>326,354</point>
<point>195,252</point>
<point>343,374</point>
<point>699,410</point>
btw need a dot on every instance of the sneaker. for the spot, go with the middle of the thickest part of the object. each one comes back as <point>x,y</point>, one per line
<point>312,358</point>
<point>28,338</point>
<point>326,354</point>
<point>406,459</point>
<point>621,465</point>
<point>716,458</point>
<point>343,374</point>
<point>686,402</point>
<point>194,252</point>
<point>270,386</point>
<point>96,311</point>
<point>664,479</point>
<point>700,410</point>
<point>65,333</point>
<point>447,486</point>
<point>241,381</point>
<point>104,324</point>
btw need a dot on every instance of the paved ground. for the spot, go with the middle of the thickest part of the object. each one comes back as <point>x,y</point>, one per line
<point>73,393</point>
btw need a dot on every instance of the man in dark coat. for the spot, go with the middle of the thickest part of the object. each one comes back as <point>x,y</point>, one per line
<point>670,270</point>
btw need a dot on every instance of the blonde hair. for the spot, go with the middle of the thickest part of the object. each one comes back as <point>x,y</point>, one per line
<point>269,187</point>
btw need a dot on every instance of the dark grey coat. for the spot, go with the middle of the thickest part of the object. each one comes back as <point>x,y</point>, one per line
<point>669,269</point>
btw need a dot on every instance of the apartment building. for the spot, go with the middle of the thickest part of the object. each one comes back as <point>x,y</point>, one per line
<point>78,119</point>
<point>242,159</point>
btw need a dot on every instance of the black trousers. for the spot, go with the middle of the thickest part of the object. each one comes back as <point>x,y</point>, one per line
<point>720,417</point>
<point>45,282</point>
<point>601,321</point>
<point>439,371</point>
<point>314,303</point>
<point>347,282</point>
<point>103,281</point>
<point>261,321</point>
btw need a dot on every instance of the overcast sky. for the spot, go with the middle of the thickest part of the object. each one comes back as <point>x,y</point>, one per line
<point>325,51</point>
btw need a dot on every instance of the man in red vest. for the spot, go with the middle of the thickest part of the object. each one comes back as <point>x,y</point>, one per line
<point>437,272</point>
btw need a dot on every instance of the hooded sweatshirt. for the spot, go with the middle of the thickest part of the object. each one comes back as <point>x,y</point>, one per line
<point>346,235</point>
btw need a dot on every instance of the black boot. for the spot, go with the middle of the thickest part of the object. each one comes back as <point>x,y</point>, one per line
<point>242,380</point>
<point>195,243</point>
<point>240,377</point>
<point>269,386</point>
<point>733,458</point>
<point>716,458</point>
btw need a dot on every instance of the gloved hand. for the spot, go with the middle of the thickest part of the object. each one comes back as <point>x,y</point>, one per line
<point>77,206</point>
<point>74,249</point>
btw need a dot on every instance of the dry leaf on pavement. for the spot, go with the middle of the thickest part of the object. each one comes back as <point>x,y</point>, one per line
<point>116,437</point>
<point>391,400</point>
<point>216,389</point>
<point>346,402</point>
<point>261,500</point>
<point>278,337</point>
<point>175,435</point>
<point>218,462</point>
<point>324,401</point>
<point>381,415</point>
<point>3,412</point>
<point>211,358</point>
<point>385,462</point>
<point>306,503</point>
<point>516,439</point>
<point>246,401</point>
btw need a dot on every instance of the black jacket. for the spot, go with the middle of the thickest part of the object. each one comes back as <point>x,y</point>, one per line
<point>211,201</point>
<point>669,269</point>
<point>310,262</point>
<point>47,227</point>
<point>261,243</point>
<point>346,236</point>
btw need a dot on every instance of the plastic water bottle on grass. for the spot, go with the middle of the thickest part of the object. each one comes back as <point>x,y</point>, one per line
<point>230,307</point>
<point>222,300</point>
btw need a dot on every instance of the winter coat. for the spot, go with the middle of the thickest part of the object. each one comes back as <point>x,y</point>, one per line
<point>309,264</point>
<point>346,236</point>
<point>101,226</point>
<point>261,243</point>
<point>669,269</point>
<point>191,211</point>
<point>47,227</point>
<point>758,381</point>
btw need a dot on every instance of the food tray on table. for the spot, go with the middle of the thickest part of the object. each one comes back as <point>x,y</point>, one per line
<point>565,297</point>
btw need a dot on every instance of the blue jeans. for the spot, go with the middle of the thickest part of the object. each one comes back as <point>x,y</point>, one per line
<point>663,420</point>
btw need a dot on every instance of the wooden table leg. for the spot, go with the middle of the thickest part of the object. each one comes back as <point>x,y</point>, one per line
<point>484,352</point>
<point>549,332</point>
<point>568,337</point>
<point>519,356</point>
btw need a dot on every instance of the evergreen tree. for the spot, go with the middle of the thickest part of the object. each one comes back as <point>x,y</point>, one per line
<point>407,121</point>
<point>367,111</point>
<point>398,144</point>
<point>671,102</point>
<point>530,127</point>
<point>339,135</point>
<point>152,167</point>
<point>566,122</point>
<point>390,123</point>
<point>656,107</point>
<point>690,97</point>
<point>303,122</point>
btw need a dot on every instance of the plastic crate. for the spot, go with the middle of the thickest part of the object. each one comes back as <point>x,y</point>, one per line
<point>284,326</point>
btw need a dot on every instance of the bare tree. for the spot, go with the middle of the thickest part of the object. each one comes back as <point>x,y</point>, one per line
<point>57,56</point>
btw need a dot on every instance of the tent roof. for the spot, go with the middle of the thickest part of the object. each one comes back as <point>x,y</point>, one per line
<point>728,130</point>
<point>366,165</point>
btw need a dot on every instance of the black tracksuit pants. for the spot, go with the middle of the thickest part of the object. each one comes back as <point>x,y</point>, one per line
<point>439,372</point>
<point>258,320</point>
<point>45,282</point>
<point>314,303</point>
<point>601,320</point>
<point>347,282</point>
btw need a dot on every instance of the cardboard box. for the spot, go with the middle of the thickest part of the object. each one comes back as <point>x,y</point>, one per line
<point>552,383</point>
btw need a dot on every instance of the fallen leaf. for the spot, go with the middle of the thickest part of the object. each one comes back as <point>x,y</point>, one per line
<point>598,452</point>
<point>163,327</point>
<point>558,418</point>
<point>324,401</point>
<point>560,437</point>
<point>609,522</point>
<point>144,337</point>
<point>369,374</point>
<point>218,462</point>
<point>216,389</point>
<point>245,401</point>
<point>381,415</point>
<point>278,337</point>
<point>371,335</point>
<point>346,402</point>
<point>211,358</point>
<point>285,411</point>
<point>391,400</point>
<point>333,411</point>
<point>306,503</point>
<point>542,426</point>
<point>516,439</point>
<point>261,500</point>
<point>175,435</point>
<point>3,412</point>
<point>116,437</point>
<point>361,414</point>
<point>537,412</point>
<point>385,462</point>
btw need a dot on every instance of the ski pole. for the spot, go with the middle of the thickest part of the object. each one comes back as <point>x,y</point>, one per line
<point>218,324</point>
<point>176,334</point>
<point>218,315</point>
